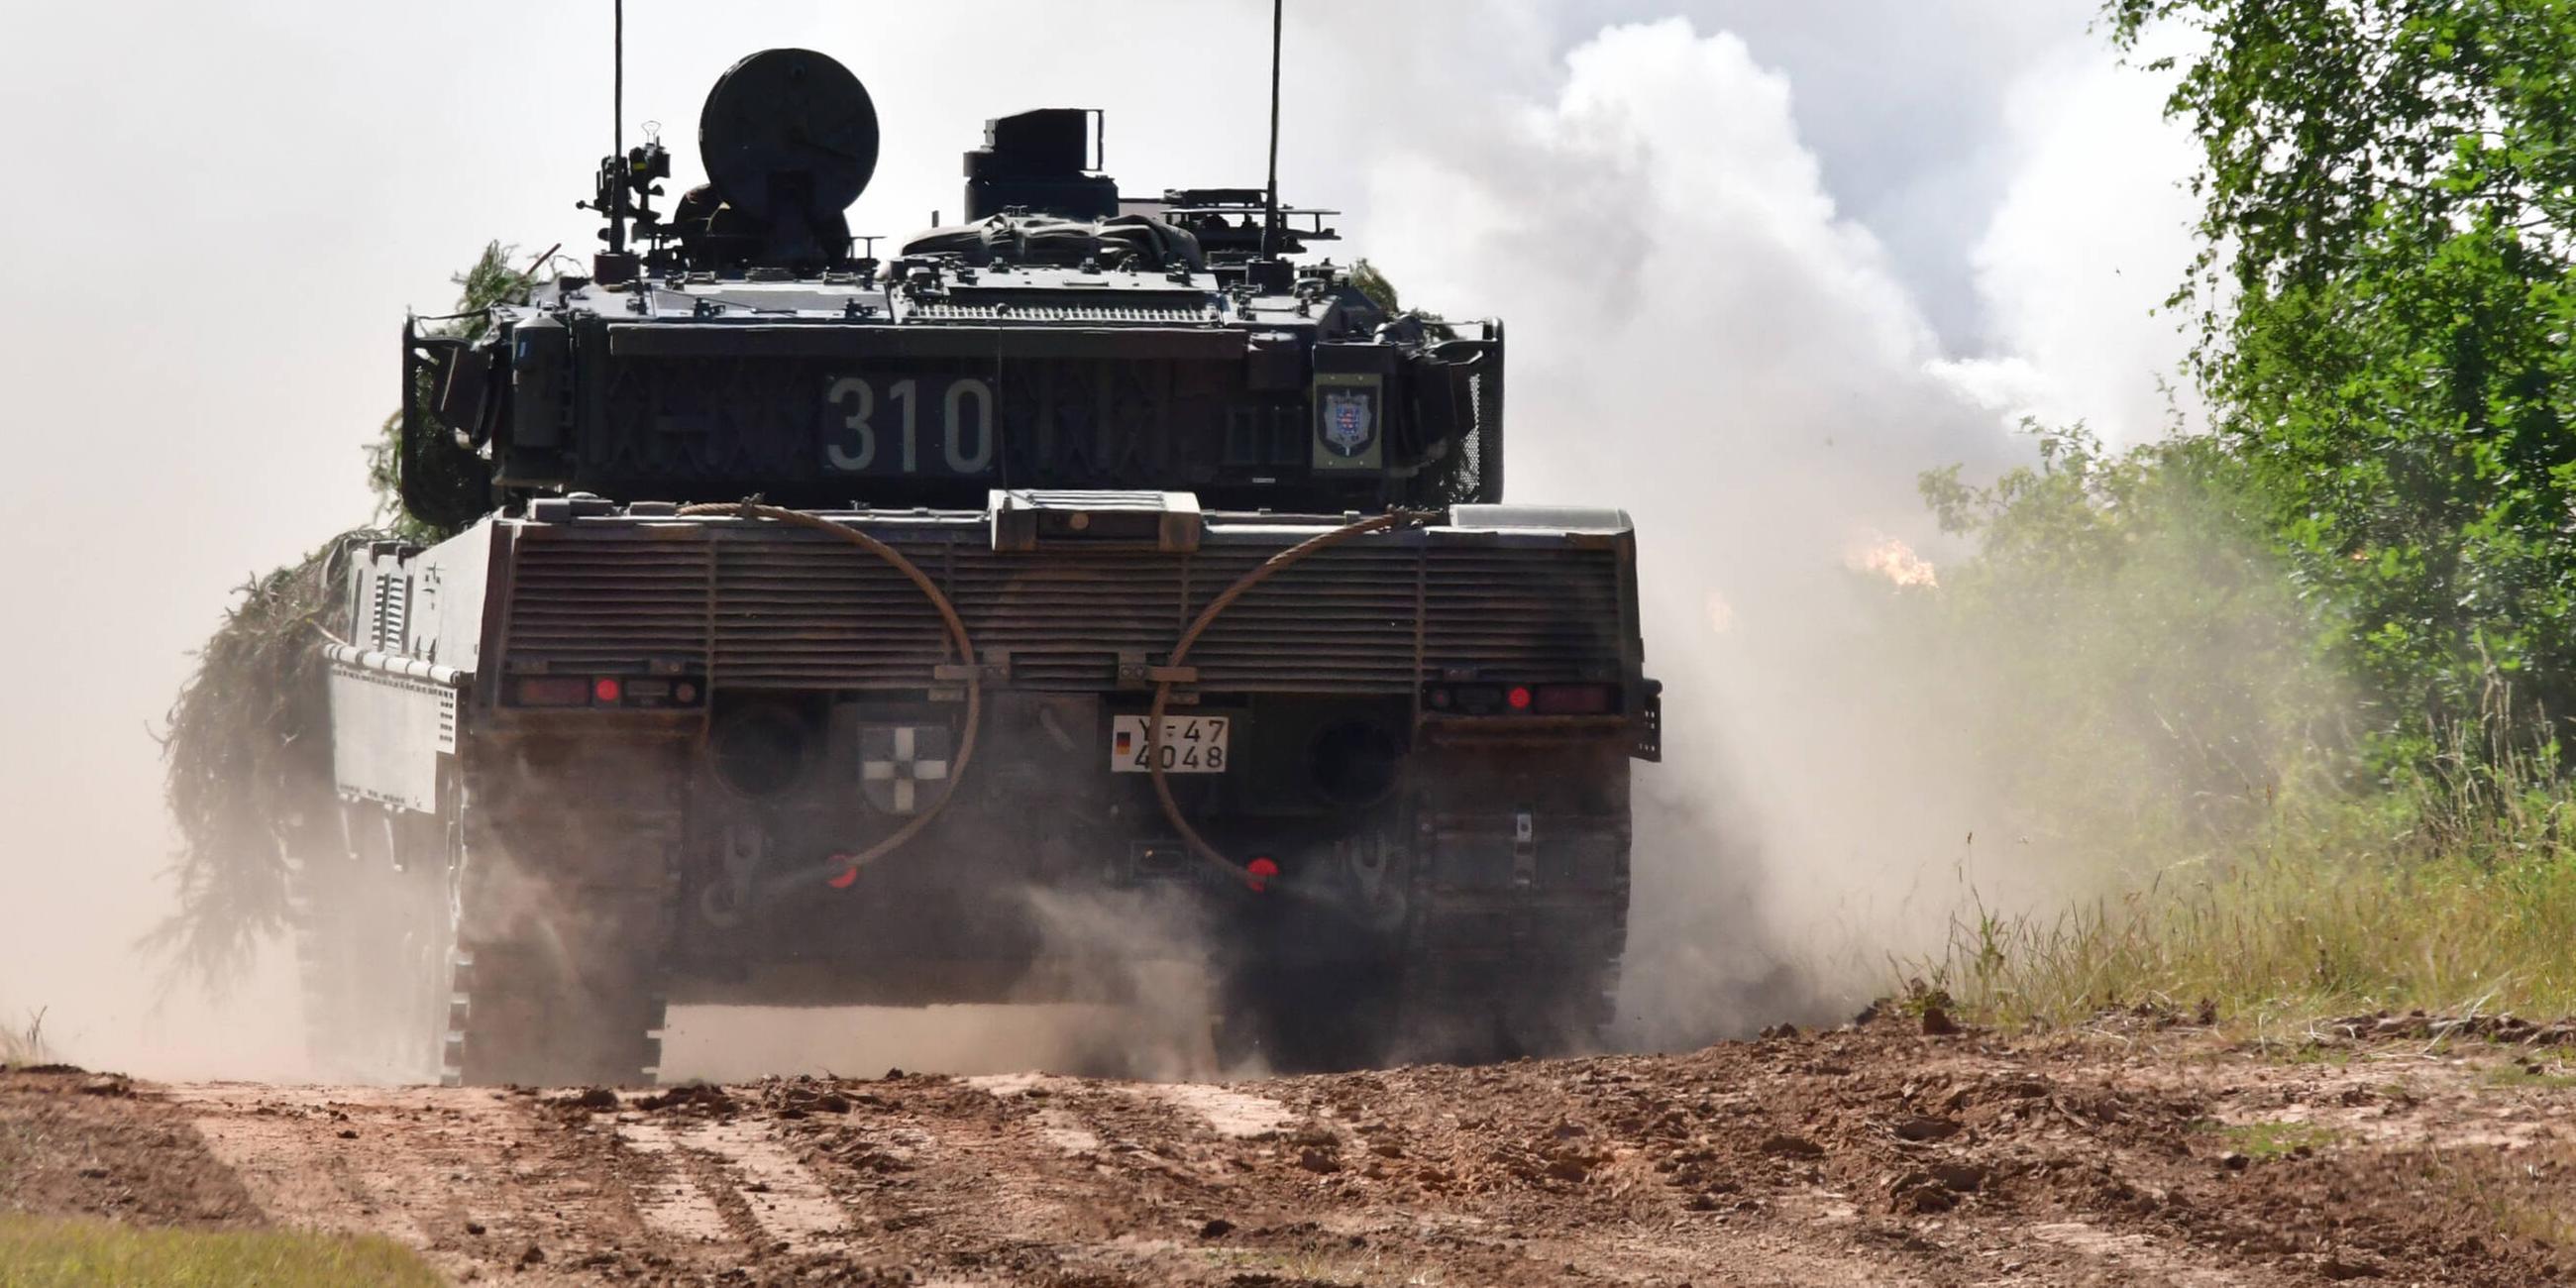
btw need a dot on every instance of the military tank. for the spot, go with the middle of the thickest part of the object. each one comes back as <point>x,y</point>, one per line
<point>820,618</point>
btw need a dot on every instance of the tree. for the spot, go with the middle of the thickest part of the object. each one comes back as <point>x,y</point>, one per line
<point>2387,297</point>
<point>2121,647</point>
<point>1373,284</point>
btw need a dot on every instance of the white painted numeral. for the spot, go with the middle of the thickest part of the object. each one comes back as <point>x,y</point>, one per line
<point>853,390</point>
<point>974,462</point>
<point>907,392</point>
<point>966,442</point>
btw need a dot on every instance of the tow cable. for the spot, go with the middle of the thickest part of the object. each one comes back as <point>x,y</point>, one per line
<point>1257,882</point>
<point>841,869</point>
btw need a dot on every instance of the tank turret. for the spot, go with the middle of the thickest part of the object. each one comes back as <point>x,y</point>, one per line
<point>1062,336</point>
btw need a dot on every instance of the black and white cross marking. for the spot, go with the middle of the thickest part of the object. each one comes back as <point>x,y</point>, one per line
<point>893,758</point>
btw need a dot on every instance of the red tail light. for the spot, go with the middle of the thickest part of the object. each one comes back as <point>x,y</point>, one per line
<point>625,692</point>
<point>1260,873</point>
<point>550,691</point>
<point>1577,699</point>
<point>1523,699</point>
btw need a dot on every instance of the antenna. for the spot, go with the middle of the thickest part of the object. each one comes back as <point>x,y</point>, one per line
<point>617,124</point>
<point>617,83</point>
<point>625,188</point>
<point>1270,198</point>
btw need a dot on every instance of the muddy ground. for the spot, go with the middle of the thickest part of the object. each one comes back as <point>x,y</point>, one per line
<point>2142,1150</point>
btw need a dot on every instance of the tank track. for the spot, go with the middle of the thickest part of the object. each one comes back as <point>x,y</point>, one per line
<point>373,922</point>
<point>520,1015</point>
<point>567,869</point>
<point>1489,978</point>
<point>1497,964</point>
<point>1476,973</point>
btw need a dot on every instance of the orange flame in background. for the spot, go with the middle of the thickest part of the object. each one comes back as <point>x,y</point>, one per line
<point>1877,552</point>
<point>1721,614</point>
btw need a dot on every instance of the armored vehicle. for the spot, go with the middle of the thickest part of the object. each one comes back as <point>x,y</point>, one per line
<point>824,625</point>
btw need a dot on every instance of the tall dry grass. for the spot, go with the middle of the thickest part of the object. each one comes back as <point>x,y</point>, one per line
<point>24,1042</point>
<point>2453,888</point>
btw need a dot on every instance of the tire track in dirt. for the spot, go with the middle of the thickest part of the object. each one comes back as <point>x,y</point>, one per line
<point>785,1201</point>
<point>474,1179</point>
<point>2144,1150</point>
<point>667,1194</point>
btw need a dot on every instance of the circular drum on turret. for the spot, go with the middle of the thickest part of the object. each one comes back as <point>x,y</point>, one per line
<point>789,138</point>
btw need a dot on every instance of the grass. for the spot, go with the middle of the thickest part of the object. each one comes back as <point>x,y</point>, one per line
<point>50,1253</point>
<point>2316,1053</point>
<point>2455,893</point>
<point>2518,1193</point>
<point>2263,1141</point>
<point>24,1046</point>
<point>2512,1076</point>
<point>1318,1268</point>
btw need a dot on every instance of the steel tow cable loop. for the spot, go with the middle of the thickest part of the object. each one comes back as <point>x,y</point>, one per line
<point>957,640</point>
<point>964,646</point>
<point>1163,688</point>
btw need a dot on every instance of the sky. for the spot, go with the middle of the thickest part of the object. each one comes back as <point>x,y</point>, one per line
<point>1762,263</point>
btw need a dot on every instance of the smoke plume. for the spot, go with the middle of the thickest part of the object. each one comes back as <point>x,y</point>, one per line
<point>1701,336</point>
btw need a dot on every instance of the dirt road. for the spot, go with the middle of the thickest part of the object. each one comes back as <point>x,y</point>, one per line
<point>2142,1151</point>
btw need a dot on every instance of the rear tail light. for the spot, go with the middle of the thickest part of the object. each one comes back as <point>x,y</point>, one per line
<point>629,692</point>
<point>1577,699</point>
<point>550,691</point>
<point>1522,699</point>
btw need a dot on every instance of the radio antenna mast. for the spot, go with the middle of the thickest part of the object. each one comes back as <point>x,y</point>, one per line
<point>1270,198</point>
<point>617,85</point>
<point>617,128</point>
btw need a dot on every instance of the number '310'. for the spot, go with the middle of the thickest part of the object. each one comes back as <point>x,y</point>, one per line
<point>965,426</point>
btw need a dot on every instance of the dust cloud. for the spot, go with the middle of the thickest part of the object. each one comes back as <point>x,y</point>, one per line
<point>1701,337</point>
<point>1093,1006</point>
<point>1704,331</point>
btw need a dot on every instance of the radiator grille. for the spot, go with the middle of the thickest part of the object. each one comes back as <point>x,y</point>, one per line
<point>614,599</point>
<point>1042,311</point>
<point>796,609</point>
<point>762,606</point>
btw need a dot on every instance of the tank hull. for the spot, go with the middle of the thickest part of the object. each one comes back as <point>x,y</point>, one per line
<point>711,760</point>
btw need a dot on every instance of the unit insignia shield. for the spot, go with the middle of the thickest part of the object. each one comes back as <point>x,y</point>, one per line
<point>895,761</point>
<point>1350,423</point>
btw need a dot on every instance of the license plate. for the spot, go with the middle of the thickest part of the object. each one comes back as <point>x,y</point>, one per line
<point>1191,744</point>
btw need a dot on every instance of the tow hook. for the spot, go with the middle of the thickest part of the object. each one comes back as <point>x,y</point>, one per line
<point>1524,849</point>
<point>746,849</point>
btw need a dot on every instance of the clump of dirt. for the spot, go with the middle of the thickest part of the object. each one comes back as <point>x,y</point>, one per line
<point>699,1099</point>
<point>581,1104</point>
<point>95,1145</point>
<point>799,1097</point>
<point>2422,1026</point>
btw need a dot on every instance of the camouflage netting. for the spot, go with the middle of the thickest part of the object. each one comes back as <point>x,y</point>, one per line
<point>247,756</point>
<point>247,768</point>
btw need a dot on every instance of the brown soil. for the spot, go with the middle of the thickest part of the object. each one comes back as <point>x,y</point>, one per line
<point>82,1144</point>
<point>2140,1151</point>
